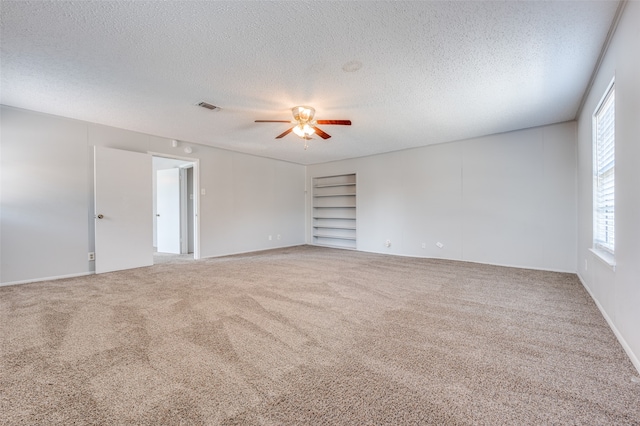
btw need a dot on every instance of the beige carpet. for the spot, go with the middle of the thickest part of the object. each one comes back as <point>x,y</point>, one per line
<point>309,335</point>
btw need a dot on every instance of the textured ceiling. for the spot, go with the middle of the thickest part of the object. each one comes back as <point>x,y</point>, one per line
<point>406,73</point>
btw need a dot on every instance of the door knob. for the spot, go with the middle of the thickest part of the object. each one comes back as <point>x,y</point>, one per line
<point>100,216</point>
<point>158,215</point>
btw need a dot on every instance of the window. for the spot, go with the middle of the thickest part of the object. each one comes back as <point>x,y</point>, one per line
<point>604,163</point>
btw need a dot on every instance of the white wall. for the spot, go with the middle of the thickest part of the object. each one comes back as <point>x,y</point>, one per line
<point>46,195</point>
<point>616,292</point>
<point>44,179</point>
<point>507,199</point>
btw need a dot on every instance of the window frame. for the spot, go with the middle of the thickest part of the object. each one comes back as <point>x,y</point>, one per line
<point>604,178</point>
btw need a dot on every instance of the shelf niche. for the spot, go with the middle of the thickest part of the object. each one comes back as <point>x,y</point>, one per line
<point>334,211</point>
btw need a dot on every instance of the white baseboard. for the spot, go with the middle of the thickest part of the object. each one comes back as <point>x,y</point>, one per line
<point>251,251</point>
<point>634,359</point>
<point>58,277</point>
<point>504,265</point>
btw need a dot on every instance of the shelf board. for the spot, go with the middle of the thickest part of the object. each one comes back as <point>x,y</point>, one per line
<point>334,217</point>
<point>334,237</point>
<point>334,207</point>
<point>327,185</point>
<point>334,195</point>
<point>334,246</point>
<point>335,227</point>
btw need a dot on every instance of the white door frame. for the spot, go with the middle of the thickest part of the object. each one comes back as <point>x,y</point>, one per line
<point>184,199</point>
<point>196,196</point>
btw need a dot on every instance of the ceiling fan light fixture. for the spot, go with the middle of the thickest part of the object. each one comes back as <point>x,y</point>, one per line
<point>303,130</point>
<point>303,114</point>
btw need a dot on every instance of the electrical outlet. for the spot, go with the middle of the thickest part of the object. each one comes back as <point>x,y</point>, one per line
<point>278,237</point>
<point>387,243</point>
<point>270,238</point>
<point>424,245</point>
<point>92,256</point>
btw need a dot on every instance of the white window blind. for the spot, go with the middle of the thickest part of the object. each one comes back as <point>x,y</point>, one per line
<point>604,173</point>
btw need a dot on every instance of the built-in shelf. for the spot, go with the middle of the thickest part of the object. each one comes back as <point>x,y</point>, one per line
<point>334,211</point>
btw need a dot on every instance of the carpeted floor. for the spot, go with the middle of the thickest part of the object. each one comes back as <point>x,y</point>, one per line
<point>310,335</point>
<point>160,258</point>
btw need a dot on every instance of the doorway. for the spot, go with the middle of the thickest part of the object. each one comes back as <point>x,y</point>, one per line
<point>175,209</point>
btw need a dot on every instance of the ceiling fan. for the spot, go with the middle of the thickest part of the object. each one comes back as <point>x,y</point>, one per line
<point>305,125</point>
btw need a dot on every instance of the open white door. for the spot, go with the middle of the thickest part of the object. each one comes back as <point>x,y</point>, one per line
<point>168,211</point>
<point>123,208</point>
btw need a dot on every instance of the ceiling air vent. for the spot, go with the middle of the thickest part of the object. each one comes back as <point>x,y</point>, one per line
<point>208,106</point>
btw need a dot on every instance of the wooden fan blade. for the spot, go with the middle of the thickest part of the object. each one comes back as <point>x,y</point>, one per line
<point>342,122</point>
<point>273,121</point>
<point>321,133</point>
<point>285,133</point>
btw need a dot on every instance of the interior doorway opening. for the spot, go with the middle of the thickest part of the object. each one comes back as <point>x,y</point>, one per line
<point>175,209</point>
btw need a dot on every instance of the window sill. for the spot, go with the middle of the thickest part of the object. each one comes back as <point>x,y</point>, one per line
<point>605,257</point>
